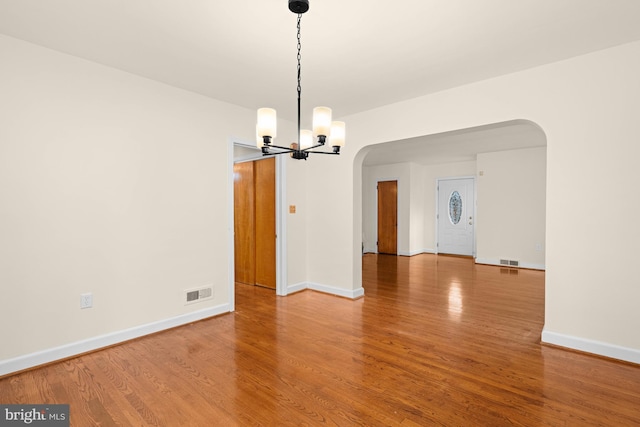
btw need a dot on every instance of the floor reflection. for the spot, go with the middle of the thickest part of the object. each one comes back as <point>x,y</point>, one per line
<point>455,301</point>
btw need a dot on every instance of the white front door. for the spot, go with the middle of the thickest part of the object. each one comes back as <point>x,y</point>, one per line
<point>456,202</point>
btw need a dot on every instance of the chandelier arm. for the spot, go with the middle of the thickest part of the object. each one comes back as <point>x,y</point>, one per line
<point>286,149</point>
<point>323,152</point>
<point>313,146</point>
<point>301,153</point>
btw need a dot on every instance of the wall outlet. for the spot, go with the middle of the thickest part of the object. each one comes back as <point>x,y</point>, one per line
<point>86,300</point>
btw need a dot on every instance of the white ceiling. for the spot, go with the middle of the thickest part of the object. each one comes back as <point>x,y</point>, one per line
<point>356,54</point>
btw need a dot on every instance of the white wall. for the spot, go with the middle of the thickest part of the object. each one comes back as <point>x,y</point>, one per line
<point>115,184</point>
<point>416,202</point>
<point>110,184</point>
<point>511,206</point>
<point>588,108</point>
<point>417,214</point>
<point>296,223</point>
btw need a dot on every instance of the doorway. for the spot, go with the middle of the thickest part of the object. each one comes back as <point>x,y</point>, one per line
<point>255,222</point>
<point>388,217</point>
<point>456,216</point>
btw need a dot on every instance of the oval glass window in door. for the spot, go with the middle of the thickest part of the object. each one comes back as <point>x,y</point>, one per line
<point>455,207</point>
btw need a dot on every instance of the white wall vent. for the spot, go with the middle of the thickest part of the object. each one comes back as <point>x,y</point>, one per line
<point>197,295</point>
<point>510,262</point>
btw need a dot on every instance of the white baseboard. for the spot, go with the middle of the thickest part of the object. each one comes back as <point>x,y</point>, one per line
<point>410,253</point>
<point>418,252</point>
<point>296,288</point>
<point>73,349</point>
<point>403,253</point>
<point>527,265</point>
<point>590,346</point>
<point>346,293</point>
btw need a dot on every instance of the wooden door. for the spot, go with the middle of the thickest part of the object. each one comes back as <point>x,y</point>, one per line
<point>244,222</point>
<point>255,222</point>
<point>265,217</point>
<point>388,217</point>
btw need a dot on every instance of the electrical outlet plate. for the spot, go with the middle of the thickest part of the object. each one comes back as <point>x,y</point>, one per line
<point>86,300</point>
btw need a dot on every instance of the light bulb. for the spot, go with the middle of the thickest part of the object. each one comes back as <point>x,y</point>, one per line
<point>338,133</point>
<point>306,139</point>
<point>321,121</point>
<point>267,122</point>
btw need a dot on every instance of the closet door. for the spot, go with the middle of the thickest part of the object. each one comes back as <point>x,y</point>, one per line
<point>255,222</point>
<point>265,214</point>
<point>244,220</point>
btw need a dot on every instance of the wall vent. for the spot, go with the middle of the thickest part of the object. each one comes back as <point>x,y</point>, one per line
<point>193,296</point>
<point>197,295</point>
<point>510,262</point>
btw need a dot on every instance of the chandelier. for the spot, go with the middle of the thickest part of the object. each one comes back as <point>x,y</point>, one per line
<point>324,130</point>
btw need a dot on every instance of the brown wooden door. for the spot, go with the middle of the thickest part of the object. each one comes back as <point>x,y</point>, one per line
<point>255,222</point>
<point>244,222</point>
<point>265,213</point>
<point>388,217</point>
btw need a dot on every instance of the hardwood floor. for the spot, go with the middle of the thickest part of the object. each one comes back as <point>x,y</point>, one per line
<point>436,341</point>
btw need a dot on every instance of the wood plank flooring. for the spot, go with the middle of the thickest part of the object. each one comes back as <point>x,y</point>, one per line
<point>435,341</point>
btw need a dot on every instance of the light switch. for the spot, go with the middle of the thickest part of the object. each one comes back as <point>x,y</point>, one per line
<point>292,209</point>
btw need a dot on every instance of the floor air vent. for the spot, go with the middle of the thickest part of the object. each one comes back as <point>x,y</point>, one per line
<point>196,295</point>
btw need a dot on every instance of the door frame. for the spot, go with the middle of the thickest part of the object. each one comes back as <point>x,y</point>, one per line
<point>375,219</point>
<point>474,251</point>
<point>281,226</point>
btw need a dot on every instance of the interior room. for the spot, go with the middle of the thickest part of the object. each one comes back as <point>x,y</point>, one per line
<point>129,130</point>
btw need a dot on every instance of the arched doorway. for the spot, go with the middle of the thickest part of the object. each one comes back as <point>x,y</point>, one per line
<point>507,159</point>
